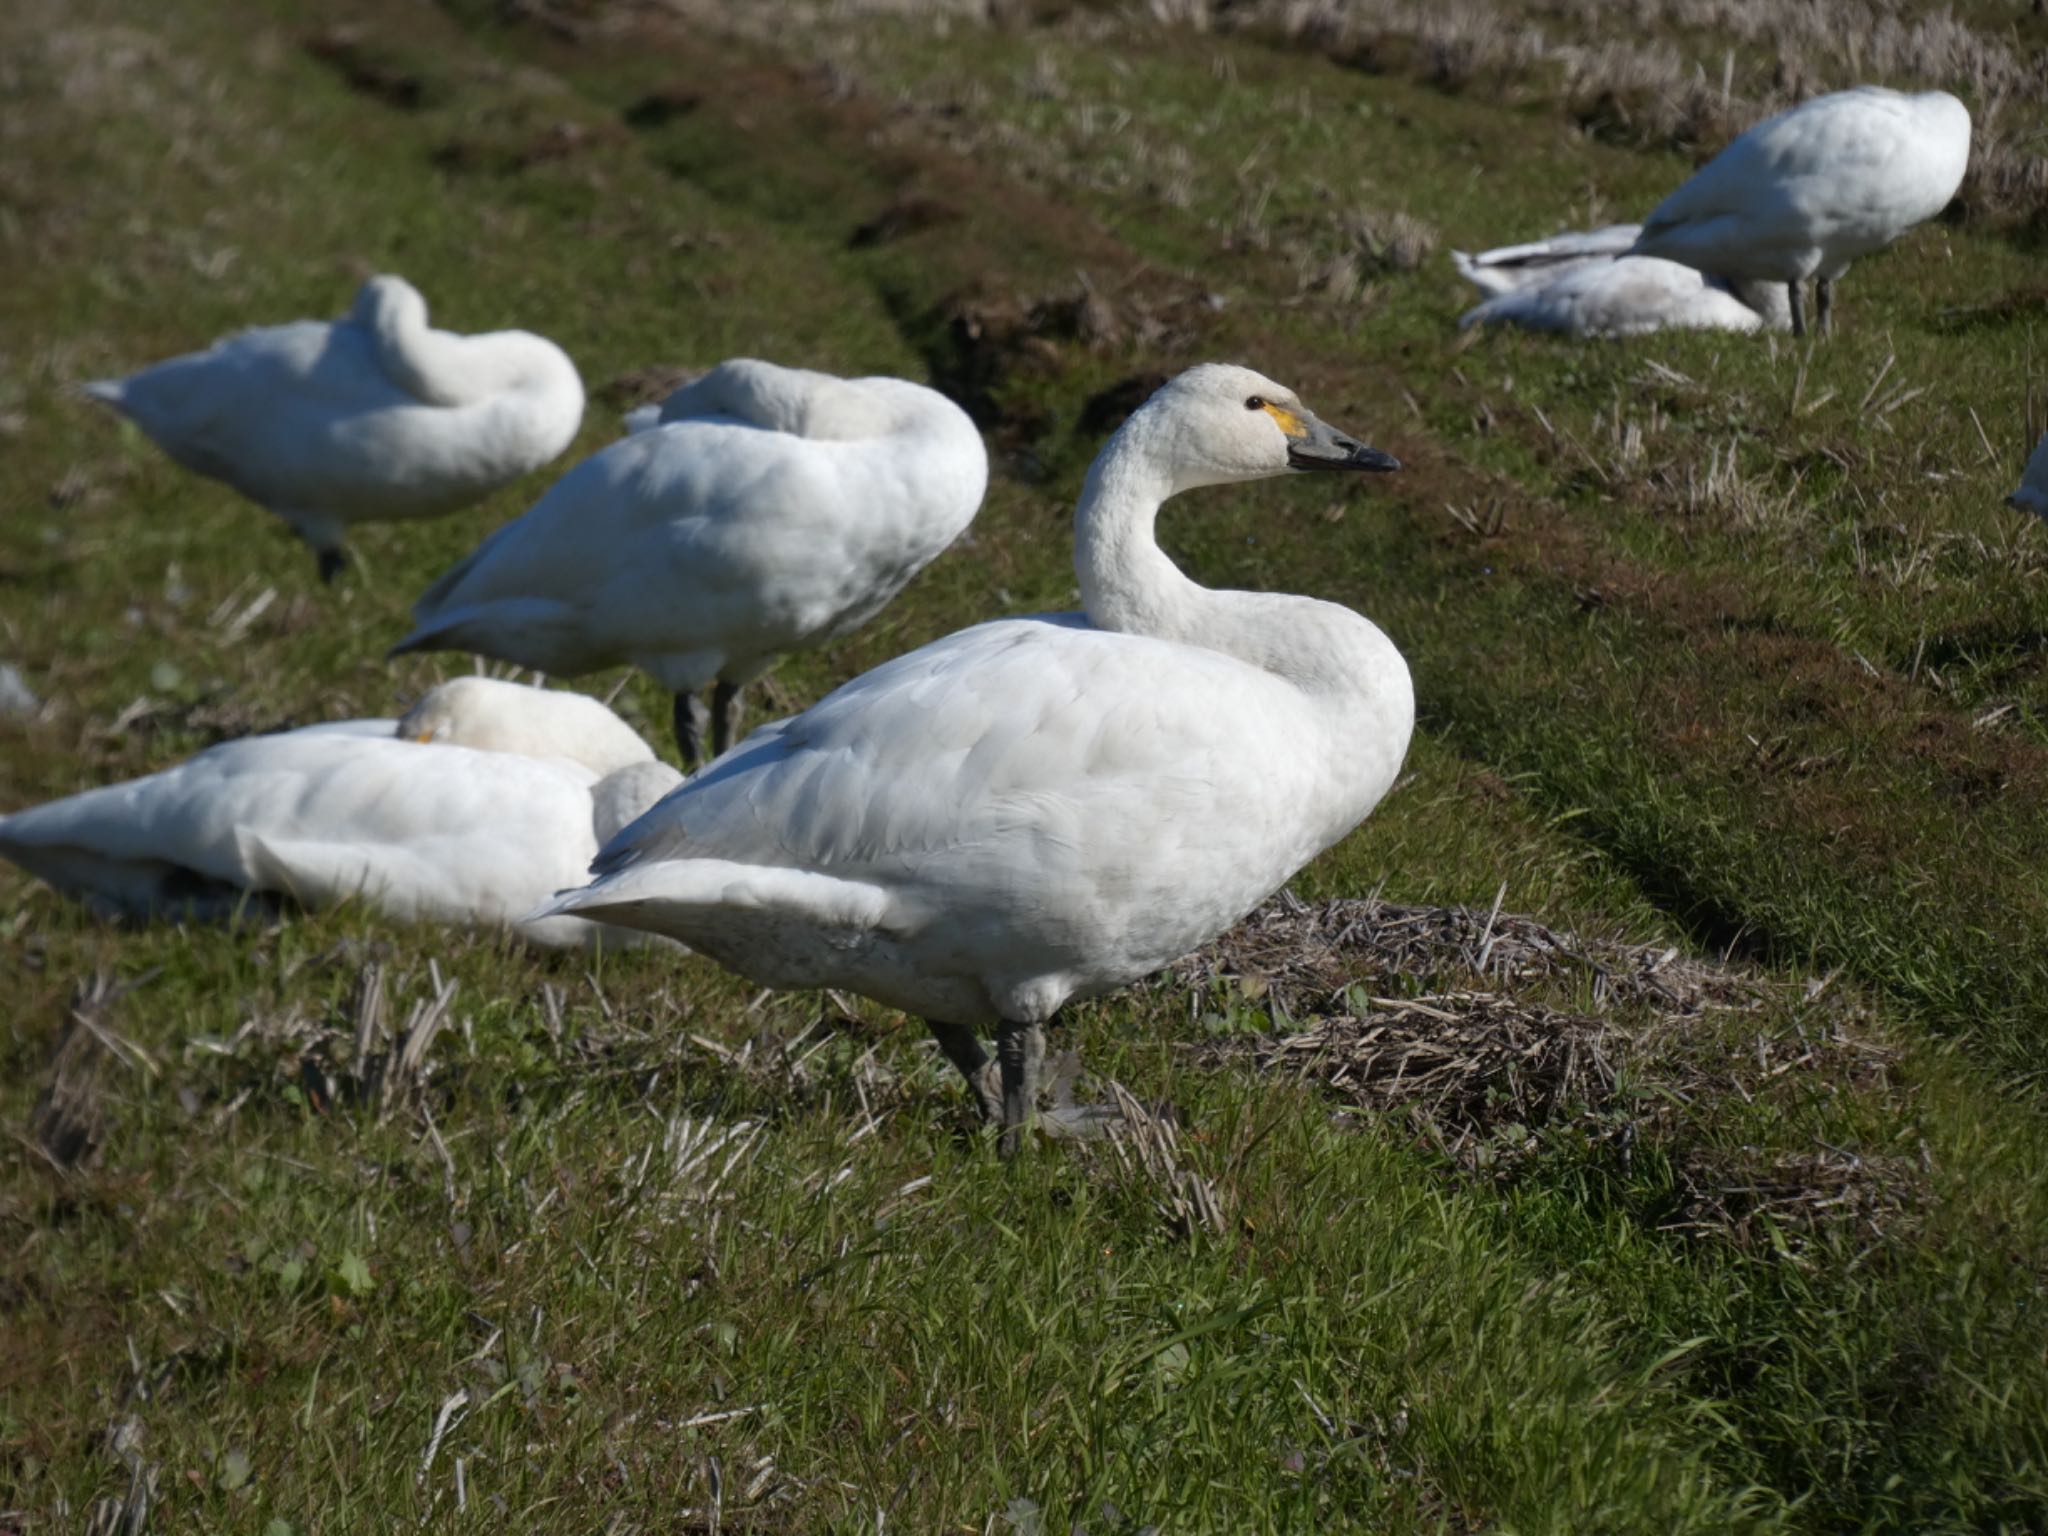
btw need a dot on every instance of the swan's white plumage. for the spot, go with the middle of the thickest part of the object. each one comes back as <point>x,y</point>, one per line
<point>771,508</point>
<point>373,416</point>
<point>1807,192</point>
<point>1584,284</point>
<point>1041,809</point>
<point>431,831</point>
<point>2032,495</point>
<point>1510,268</point>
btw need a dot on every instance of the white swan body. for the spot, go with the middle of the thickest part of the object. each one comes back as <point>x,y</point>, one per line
<point>375,416</point>
<point>1803,194</point>
<point>772,508</point>
<point>430,818</point>
<point>1038,810</point>
<point>2032,495</point>
<point>1584,284</point>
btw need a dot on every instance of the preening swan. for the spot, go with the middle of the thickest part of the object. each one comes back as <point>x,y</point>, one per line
<point>1044,809</point>
<point>373,417</point>
<point>772,508</point>
<point>1803,194</point>
<point>484,798</point>
<point>2032,495</point>
<point>1584,283</point>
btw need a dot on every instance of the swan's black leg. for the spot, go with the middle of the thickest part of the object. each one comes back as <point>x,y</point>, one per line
<point>963,1048</point>
<point>689,720</point>
<point>725,715</point>
<point>1798,298</point>
<point>1823,303</point>
<point>1020,1052</point>
<point>332,563</point>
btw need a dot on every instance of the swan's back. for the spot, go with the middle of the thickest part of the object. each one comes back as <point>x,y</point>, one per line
<point>1810,190</point>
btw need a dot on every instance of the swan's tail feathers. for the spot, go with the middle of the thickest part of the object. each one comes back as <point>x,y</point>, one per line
<point>112,393</point>
<point>675,896</point>
<point>643,418</point>
<point>534,632</point>
<point>1468,268</point>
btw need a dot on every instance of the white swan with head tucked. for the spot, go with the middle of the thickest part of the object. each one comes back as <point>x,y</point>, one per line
<point>772,508</point>
<point>1044,809</point>
<point>375,416</point>
<point>484,798</point>
<point>1803,194</point>
<point>1584,283</point>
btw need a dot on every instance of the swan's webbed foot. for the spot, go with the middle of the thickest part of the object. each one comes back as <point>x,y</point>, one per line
<point>332,562</point>
<point>689,723</point>
<point>725,715</point>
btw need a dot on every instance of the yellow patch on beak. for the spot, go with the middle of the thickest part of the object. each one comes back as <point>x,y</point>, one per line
<point>1290,423</point>
<point>424,736</point>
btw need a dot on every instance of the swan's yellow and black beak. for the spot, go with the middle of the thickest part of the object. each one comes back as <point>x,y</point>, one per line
<point>1313,443</point>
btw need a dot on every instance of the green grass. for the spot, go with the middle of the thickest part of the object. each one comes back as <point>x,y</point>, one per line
<point>1729,720</point>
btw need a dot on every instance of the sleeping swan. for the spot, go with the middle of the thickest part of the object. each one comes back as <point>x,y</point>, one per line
<point>373,417</point>
<point>485,797</point>
<point>1038,810</point>
<point>770,509</point>
<point>1584,283</point>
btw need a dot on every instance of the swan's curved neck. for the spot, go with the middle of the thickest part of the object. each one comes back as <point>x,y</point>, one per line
<point>436,367</point>
<point>1127,582</point>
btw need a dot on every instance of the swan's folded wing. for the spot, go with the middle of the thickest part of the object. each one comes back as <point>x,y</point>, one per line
<point>1036,756</point>
<point>662,538</point>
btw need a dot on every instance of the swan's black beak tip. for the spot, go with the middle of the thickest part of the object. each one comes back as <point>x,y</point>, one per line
<point>1337,452</point>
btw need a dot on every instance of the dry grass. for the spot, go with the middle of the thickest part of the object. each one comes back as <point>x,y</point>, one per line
<point>1483,1067</point>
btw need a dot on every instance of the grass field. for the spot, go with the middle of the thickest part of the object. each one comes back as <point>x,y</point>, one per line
<point>1638,1125</point>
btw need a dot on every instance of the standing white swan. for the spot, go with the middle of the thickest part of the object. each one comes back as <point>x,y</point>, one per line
<point>772,508</point>
<point>484,798</point>
<point>1803,194</point>
<point>1039,810</point>
<point>1584,283</point>
<point>373,417</point>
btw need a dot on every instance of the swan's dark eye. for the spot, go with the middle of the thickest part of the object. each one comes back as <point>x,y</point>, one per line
<point>1256,403</point>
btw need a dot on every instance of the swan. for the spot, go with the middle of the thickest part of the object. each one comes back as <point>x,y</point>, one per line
<point>1805,193</point>
<point>373,417</point>
<point>1039,810</point>
<point>481,800</point>
<point>1584,283</point>
<point>2032,495</point>
<point>772,508</point>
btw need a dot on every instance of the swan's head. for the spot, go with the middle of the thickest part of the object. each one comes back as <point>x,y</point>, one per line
<point>1217,424</point>
<point>494,716</point>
